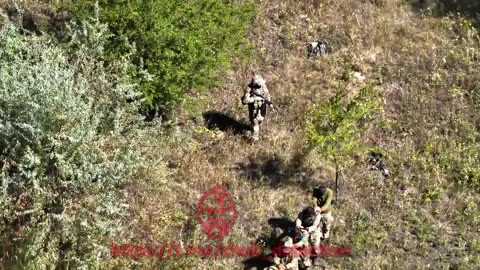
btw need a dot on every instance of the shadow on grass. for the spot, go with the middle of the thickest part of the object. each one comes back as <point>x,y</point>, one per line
<point>468,8</point>
<point>223,122</point>
<point>279,229</point>
<point>276,171</point>
<point>281,223</point>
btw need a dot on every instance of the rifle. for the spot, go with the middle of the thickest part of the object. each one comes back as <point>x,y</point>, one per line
<point>337,175</point>
<point>268,102</point>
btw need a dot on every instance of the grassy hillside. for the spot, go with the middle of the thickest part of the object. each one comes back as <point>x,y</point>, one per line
<point>425,216</point>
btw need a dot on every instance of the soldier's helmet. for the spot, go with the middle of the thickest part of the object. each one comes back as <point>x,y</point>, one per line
<point>258,80</point>
<point>319,191</point>
<point>308,216</point>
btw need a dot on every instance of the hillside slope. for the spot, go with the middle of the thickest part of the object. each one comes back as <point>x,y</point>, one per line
<point>425,216</point>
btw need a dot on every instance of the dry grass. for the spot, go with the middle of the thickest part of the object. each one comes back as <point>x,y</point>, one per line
<point>388,224</point>
<point>417,219</point>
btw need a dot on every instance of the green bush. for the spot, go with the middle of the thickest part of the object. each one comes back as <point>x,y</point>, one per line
<point>65,148</point>
<point>182,44</point>
<point>334,127</point>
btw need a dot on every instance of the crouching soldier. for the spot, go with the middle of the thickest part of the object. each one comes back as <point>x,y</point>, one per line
<point>285,259</point>
<point>257,97</point>
<point>296,246</point>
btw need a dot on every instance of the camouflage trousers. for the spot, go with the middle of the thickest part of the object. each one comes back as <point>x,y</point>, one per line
<point>291,262</point>
<point>274,267</point>
<point>322,232</point>
<point>257,113</point>
<point>326,221</point>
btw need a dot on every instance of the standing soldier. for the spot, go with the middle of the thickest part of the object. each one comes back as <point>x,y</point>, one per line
<point>322,201</point>
<point>321,214</point>
<point>309,222</point>
<point>257,97</point>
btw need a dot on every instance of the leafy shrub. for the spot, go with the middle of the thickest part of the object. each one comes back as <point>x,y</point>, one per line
<point>182,44</point>
<point>64,148</point>
<point>335,126</point>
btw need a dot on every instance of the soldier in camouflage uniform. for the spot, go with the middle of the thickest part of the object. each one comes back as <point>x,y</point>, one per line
<point>294,249</point>
<point>287,260</point>
<point>309,222</point>
<point>322,201</point>
<point>289,254</point>
<point>258,98</point>
<point>322,205</point>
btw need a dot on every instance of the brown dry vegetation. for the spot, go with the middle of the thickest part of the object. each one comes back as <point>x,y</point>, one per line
<point>424,216</point>
<point>418,219</point>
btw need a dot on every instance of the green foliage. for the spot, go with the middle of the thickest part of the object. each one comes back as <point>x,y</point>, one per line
<point>379,3</point>
<point>433,194</point>
<point>65,148</point>
<point>335,126</point>
<point>438,112</point>
<point>183,45</point>
<point>366,238</point>
<point>422,229</point>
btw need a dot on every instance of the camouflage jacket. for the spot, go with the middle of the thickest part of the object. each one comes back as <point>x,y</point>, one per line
<point>257,100</point>
<point>316,223</point>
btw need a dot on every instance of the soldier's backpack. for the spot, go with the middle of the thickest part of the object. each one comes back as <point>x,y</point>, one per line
<point>317,49</point>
